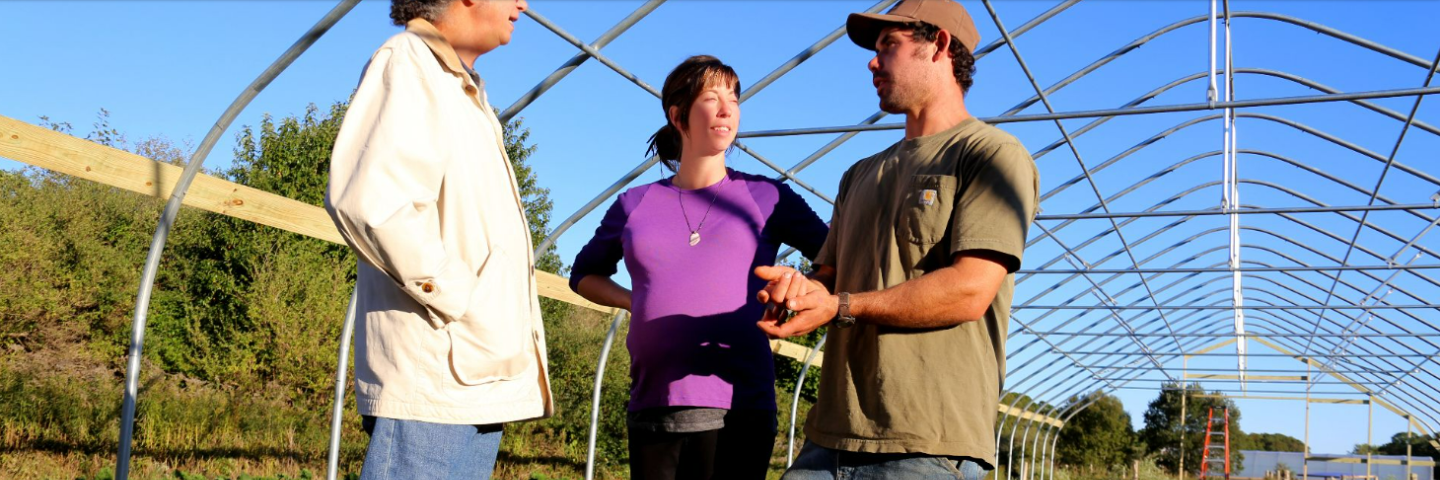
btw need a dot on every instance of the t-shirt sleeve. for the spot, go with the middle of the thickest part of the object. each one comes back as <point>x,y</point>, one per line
<point>601,256</point>
<point>795,224</point>
<point>996,203</point>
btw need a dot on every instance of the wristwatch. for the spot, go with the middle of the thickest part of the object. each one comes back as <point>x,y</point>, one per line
<point>843,319</point>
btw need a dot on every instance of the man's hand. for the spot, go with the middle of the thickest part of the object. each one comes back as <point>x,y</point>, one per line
<point>814,305</point>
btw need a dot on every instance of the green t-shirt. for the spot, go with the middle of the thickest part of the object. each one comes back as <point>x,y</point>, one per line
<point>900,214</point>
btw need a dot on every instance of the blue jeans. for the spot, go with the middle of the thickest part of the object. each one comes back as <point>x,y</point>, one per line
<point>410,449</point>
<point>819,463</point>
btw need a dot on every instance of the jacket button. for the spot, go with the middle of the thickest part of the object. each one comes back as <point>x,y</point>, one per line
<point>427,287</point>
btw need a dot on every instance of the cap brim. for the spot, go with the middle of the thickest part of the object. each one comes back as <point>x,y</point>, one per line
<point>864,28</point>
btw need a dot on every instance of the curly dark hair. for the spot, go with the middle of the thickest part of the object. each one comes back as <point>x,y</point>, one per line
<point>402,11</point>
<point>964,61</point>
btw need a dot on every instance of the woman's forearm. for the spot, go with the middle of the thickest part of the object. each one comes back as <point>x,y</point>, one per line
<point>604,291</point>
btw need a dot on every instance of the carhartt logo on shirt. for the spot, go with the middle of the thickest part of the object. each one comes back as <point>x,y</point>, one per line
<point>927,196</point>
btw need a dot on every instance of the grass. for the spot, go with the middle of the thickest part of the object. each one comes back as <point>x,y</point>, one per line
<point>64,422</point>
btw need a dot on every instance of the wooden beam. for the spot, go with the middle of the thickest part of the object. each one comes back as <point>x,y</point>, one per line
<point>81,158</point>
<point>1261,397</point>
<point>1358,387</point>
<point>1210,348</point>
<point>795,351</point>
<point>1027,415</point>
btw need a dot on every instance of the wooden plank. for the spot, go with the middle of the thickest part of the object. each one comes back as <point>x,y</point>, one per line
<point>1210,348</point>
<point>1027,415</point>
<point>795,351</point>
<point>81,158</point>
<point>1262,397</point>
<point>557,287</point>
<point>1361,388</point>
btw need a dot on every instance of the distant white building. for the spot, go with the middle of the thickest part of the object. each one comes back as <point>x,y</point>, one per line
<point>1341,467</point>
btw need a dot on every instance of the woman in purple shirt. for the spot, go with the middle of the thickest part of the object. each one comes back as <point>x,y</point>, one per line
<point>702,398</point>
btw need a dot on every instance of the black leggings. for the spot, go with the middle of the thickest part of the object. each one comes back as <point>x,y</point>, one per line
<point>739,451</point>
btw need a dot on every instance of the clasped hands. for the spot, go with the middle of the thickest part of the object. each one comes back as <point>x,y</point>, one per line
<point>787,288</point>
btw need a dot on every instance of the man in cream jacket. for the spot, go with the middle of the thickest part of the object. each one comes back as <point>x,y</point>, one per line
<point>449,343</point>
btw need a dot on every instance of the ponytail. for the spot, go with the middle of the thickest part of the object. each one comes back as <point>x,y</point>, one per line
<point>665,143</point>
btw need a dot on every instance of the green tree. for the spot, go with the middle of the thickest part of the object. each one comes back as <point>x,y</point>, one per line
<point>1364,449</point>
<point>1100,435</point>
<point>538,207</point>
<point>1272,442</point>
<point>1419,445</point>
<point>1164,426</point>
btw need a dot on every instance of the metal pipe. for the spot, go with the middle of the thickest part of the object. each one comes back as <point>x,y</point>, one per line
<point>1373,293</point>
<point>1258,71</point>
<point>1247,307</point>
<point>795,404</point>
<point>569,66</point>
<point>1099,294</point>
<point>1117,271</point>
<point>595,396</point>
<point>979,54</point>
<point>1247,211</point>
<point>1078,158</point>
<point>634,173</point>
<point>337,411</point>
<point>172,208</point>
<point>1346,37</point>
<point>1228,335</point>
<point>805,55</point>
<point>1053,441</point>
<point>1177,165</point>
<point>1232,199</point>
<point>1137,43</point>
<point>1278,355</point>
<point>1184,107</point>
<point>1264,370</point>
<point>1429,76</point>
<point>614,188</point>
<point>1162,289</point>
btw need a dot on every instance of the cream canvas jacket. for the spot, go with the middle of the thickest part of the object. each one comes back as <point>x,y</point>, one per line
<point>448,326</point>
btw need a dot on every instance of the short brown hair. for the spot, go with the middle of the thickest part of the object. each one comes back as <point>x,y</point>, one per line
<point>682,87</point>
<point>963,62</point>
<point>402,11</point>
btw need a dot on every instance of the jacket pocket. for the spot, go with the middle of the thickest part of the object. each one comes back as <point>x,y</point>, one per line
<point>925,211</point>
<point>492,341</point>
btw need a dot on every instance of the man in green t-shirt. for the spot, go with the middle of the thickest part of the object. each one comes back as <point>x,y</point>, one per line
<point>924,241</point>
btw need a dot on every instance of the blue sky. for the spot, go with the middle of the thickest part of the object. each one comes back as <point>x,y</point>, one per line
<point>168,68</point>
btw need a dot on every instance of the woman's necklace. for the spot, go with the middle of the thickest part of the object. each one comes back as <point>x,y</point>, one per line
<point>695,232</point>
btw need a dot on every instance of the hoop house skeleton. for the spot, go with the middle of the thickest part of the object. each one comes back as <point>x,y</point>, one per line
<point>1177,243</point>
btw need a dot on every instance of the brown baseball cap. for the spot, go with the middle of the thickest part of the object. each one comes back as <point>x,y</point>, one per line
<point>949,15</point>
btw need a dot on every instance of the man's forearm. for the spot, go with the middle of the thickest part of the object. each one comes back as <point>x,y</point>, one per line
<point>949,296</point>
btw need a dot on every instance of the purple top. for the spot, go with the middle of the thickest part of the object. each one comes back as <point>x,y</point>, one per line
<point>693,339</point>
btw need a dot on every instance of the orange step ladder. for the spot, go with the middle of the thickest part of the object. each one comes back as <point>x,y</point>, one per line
<point>1215,459</point>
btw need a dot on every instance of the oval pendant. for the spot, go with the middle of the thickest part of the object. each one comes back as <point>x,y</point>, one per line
<point>694,238</point>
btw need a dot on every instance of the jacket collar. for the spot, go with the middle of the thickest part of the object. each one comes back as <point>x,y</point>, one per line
<point>441,48</point>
